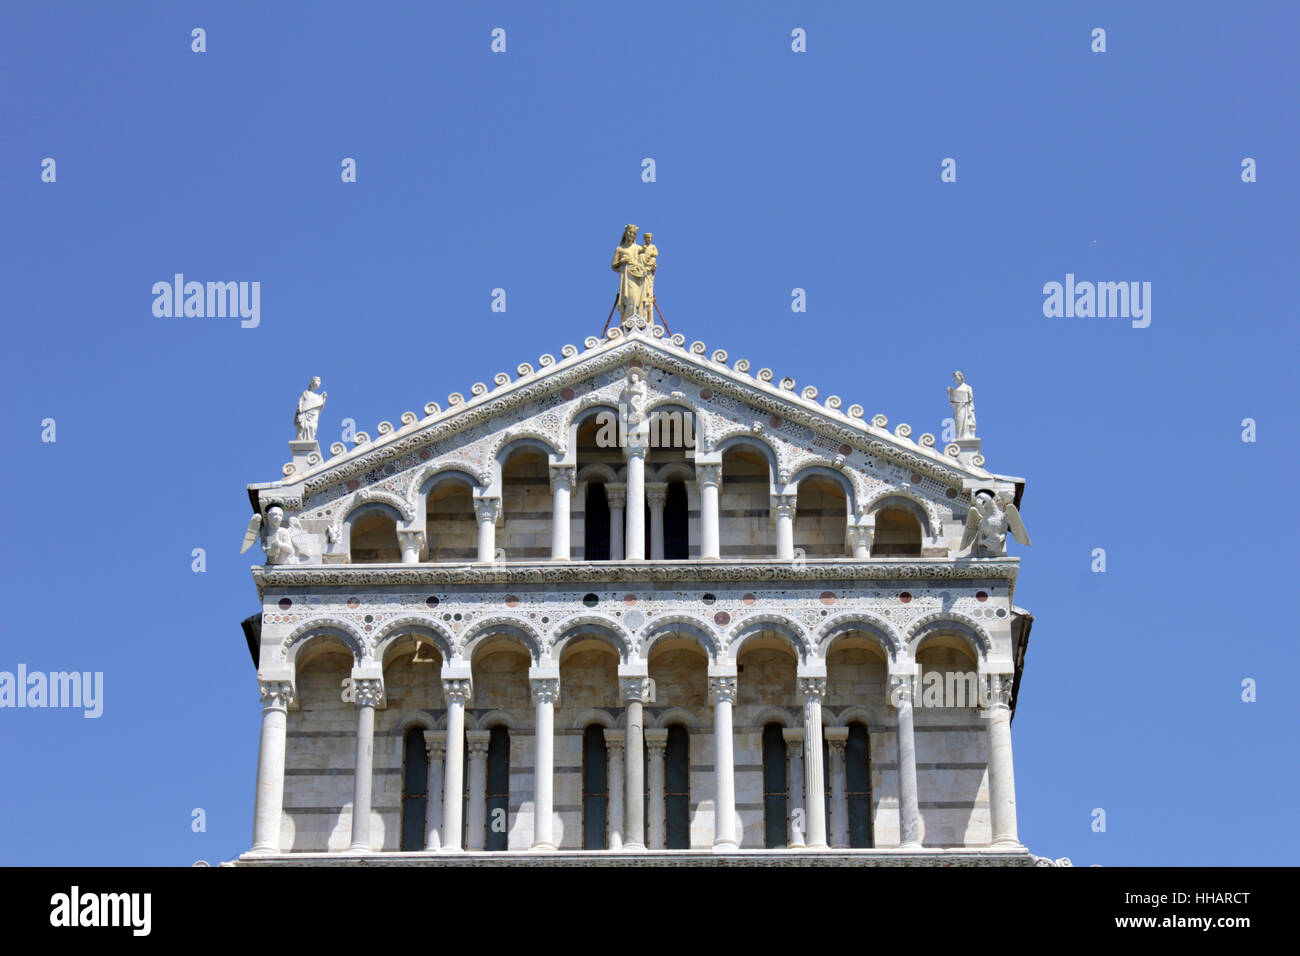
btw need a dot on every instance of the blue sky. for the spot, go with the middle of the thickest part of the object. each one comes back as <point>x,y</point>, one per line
<point>774,170</point>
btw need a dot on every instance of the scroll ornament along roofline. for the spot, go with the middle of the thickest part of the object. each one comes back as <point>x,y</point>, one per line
<point>670,354</point>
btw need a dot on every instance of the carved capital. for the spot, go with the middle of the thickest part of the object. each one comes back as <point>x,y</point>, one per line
<point>901,689</point>
<point>793,741</point>
<point>487,509</point>
<point>546,690</point>
<point>656,742</point>
<point>562,476</point>
<point>722,690</point>
<point>811,688</point>
<point>410,540</point>
<point>708,475</point>
<point>656,495</point>
<point>615,741</point>
<point>457,690</point>
<point>616,495</point>
<point>478,740</point>
<point>435,744</point>
<point>634,689</point>
<point>1000,690</point>
<point>783,506</point>
<point>276,694</point>
<point>367,691</point>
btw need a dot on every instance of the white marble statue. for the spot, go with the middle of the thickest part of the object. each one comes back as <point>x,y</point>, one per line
<point>987,524</point>
<point>278,541</point>
<point>634,280</point>
<point>962,400</point>
<point>308,413</point>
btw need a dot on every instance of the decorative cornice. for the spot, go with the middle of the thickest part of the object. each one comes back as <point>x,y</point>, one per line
<point>597,572</point>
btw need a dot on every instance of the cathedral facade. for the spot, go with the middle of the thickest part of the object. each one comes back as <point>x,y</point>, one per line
<point>637,603</point>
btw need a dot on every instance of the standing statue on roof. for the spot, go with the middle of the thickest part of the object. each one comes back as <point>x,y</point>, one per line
<point>635,266</point>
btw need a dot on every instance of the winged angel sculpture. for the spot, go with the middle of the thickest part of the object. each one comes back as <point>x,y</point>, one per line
<point>277,541</point>
<point>987,524</point>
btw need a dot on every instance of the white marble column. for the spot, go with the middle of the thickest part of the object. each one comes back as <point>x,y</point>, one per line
<point>617,496</point>
<point>367,693</point>
<point>812,690</point>
<point>614,749</point>
<point>798,812</point>
<point>783,510</point>
<point>837,737</point>
<point>635,690</point>
<point>487,510</point>
<point>1002,779</point>
<point>561,497</point>
<point>277,697</point>
<point>545,685</point>
<point>909,813</point>
<point>656,495</point>
<point>435,745</point>
<point>722,690</point>
<point>477,741</point>
<point>656,742</point>
<point>456,691</point>
<point>635,542</point>
<point>411,543</point>
<point>709,478</point>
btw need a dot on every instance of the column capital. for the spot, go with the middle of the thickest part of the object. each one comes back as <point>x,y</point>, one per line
<point>457,690</point>
<point>435,743</point>
<point>783,506</point>
<point>1000,690</point>
<point>478,742</point>
<point>836,736</point>
<point>616,494</point>
<point>794,737</point>
<point>639,689</point>
<point>615,739</point>
<point>562,476</point>
<point>487,509</point>
<point>656,740</point>
<point>708,474</point>
<point>545,690</point>
<point>656,493</point>
<point>722,689</point>
<point>410,537</point>
<point>902,689</point>
<point>277,694</point>
<point>811,687</point>
<point>367,691</point>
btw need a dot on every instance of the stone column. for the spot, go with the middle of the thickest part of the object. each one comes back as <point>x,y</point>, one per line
<point>457,691</point>
<point>837,737</point>
<point>487,510</point>
<point>1002,780</point>
<point>411,542</point>
<point>783,510</point>
<point>435,744</point>
<point>861,535</point>
<point>812,690</point>
<point>614,747</point>
<point>909,813</point>
<point>545,684</point>
<point>798,813</point>
<point>656,741</point>
<point>561,495</point>
<point>616,495</point>
<point>635,543</point>
<point>722,690</point>
<point>477,740</point>
<point>268,808</point>
<point>709,477</point>
<point>635,689</point>
<point>657,495</point>
<point>367,693</point>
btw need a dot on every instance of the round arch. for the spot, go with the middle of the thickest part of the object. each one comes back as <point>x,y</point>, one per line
<point>422,626</point>
<point>678,624</point>
<point>949,622</point>
<point>835,477</point>
<point>859,621</point>
<point>583,625</point>
<point>506,626</point>
<point>326,628</point>
<point>763,623</point>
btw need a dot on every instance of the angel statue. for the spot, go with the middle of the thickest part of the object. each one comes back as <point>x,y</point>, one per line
<point>987,524</point>
<point>277,541</point>
<point>309,409</point>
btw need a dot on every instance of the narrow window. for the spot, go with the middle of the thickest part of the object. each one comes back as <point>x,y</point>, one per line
<point>595,519</point>
<point>677,544</point>
<point>677,788</point>
<point>498,788</point>
<point>774,786</point>
<point>595,789</point>
<point>415,789</point>
<point>857,779</point>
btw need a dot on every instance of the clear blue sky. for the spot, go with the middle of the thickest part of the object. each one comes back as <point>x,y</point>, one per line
<point>775,170</point>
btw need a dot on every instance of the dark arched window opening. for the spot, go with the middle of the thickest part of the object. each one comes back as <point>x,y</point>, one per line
<point>857,780</point>
<point>677,539</point>
<point>595,520</point>
<point>498,789</point>
<point>774,786</point>
<point>677,788</point>
<point>595,789</point>
<point>415,789</point>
